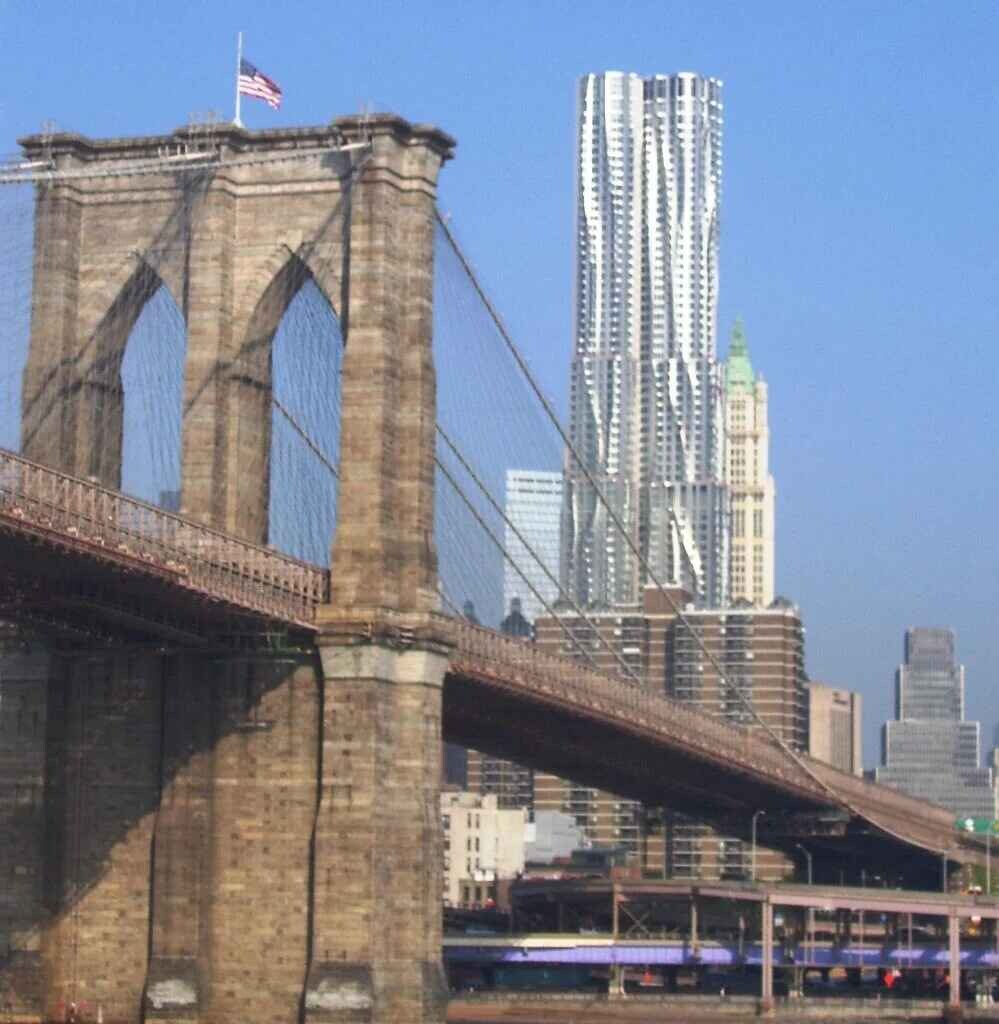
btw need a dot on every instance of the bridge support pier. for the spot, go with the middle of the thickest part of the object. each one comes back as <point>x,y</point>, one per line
<point>377,864</point>
<point>954,1011</point>
<point>176,984</point>
<point>24,676</point>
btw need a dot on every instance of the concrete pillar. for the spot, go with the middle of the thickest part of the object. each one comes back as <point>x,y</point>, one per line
<point>383,553</point>
<point>767,957</point>
<point>954,964</point>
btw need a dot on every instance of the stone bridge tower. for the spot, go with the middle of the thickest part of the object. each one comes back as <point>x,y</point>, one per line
<point>252,835</point>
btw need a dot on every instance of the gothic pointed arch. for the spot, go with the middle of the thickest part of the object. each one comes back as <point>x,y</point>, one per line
<point>251,386</point>
<point>85,390</point>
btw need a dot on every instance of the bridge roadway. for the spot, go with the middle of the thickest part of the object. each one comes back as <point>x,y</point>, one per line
<point>89,565</point>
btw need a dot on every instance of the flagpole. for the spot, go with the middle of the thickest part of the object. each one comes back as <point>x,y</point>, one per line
<point>239,63</point>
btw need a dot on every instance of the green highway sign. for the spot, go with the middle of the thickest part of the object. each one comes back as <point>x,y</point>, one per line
<point>980,825</point>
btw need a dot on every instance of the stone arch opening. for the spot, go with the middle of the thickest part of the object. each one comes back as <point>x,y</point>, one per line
<point>285,384</point>
<point>152,376</point>
<point>130,377</point>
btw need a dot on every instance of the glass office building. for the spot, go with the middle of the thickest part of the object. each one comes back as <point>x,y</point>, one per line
<point>929,750</point>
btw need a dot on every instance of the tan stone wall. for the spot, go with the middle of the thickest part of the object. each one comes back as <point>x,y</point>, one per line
<point>23,701</point>
<point>264,793</point>
<point>103,778</point>
<point>222,831</point>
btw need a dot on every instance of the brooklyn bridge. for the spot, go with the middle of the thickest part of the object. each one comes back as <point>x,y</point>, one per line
<point>223,702</point>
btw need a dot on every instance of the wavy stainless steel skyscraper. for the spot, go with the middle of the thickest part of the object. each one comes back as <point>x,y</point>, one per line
<point>646,400</point>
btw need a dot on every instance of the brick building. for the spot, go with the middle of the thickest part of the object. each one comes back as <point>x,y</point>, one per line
<point>760,652</point>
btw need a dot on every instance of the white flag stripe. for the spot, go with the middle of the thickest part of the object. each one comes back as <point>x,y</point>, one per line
<point>253,82</point>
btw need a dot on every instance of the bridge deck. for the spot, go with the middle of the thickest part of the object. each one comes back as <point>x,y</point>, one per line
<point>58,509</point>
<point>42,508</point>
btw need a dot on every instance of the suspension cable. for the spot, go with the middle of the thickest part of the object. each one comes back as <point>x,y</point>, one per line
<point>304,435</point>
<point>492,536</point>
<point>628,670</point>
<point>678,612</point>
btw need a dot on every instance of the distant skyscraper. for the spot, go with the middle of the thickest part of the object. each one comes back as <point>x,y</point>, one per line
<point>930,751</point>
<point>834,722</point>
<point>645,398</point>
<point>747,472</point>
<point>534,506</point>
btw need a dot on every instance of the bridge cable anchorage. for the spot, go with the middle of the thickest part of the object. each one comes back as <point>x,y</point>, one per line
<point>626,668</point>
<point>741,697</point>
<point>492,536</point>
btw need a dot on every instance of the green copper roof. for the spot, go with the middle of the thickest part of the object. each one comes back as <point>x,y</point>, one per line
<point>739,370</point>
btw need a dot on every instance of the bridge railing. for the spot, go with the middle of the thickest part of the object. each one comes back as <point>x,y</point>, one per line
<point>878,802</point>
<point>215,564</point>
<point>508,660</point>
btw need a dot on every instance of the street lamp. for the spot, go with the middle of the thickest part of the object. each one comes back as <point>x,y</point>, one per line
<point>752,855</point>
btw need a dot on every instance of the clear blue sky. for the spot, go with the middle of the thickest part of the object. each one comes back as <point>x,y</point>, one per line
<point>860,227</point>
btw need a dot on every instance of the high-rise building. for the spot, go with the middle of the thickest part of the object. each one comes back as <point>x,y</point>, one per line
<point>747,473</point>
<point>834,727</point>
<point>929,750</point>
<point>645,397</point>
<point>534,510</point>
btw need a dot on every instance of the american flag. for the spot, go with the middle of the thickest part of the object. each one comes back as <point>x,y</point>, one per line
<point>255,83</point>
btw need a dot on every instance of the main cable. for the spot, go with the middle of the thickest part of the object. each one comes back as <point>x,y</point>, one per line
<point>628,670</point>
<point>642,561</point>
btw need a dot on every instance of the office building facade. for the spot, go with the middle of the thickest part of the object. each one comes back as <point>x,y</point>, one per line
<point>646,413</point>
<point>483,844</point>
<point>533,506</point>
<point>834,727</point>
<point>747,474</point>
<point>930,751</point>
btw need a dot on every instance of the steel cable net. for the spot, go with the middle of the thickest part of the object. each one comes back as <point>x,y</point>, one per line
<point>126,380</point>
<point>17,210</point>
<point>305,427</point>
<point>485,410</point>
<point>493,418</point>
<point>499,480</point>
